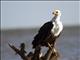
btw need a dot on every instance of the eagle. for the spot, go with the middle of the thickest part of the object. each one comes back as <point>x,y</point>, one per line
<point>49,31</point>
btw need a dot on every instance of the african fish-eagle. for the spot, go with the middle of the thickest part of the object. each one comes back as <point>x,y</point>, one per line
<point>49,31</point>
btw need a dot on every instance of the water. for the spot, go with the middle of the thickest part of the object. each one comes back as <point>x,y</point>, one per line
<point>67,44</point>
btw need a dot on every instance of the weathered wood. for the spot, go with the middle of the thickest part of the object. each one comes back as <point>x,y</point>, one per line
<point>20,52</point>
<point>50,55</point>
<point>36,53</point>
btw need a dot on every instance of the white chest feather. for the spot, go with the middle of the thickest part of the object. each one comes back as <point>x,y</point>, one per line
<point>57,28</point>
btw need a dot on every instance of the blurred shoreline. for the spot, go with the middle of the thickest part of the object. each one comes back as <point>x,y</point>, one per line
<point>37,28</point>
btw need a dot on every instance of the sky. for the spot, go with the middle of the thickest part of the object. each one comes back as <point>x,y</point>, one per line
<point>31,14</point>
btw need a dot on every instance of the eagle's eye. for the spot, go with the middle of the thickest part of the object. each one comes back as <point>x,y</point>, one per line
<point>56,11</point>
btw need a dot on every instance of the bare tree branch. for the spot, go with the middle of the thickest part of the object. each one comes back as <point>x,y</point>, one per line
<point>50,55</point>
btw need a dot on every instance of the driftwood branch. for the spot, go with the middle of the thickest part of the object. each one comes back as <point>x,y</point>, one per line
<point>50,55</point>
<point>19,52</point>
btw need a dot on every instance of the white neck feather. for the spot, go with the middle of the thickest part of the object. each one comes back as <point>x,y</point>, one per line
<point>55,19</point>
<point>58,27</point>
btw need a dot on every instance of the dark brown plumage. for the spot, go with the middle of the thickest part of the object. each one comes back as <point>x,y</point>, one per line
<point>44,32</point>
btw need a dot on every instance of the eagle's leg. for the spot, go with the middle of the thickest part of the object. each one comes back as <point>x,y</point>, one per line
<point>51,53</point>
<point>37,53</point>
<point>50,47</point>
<point>54,51</point>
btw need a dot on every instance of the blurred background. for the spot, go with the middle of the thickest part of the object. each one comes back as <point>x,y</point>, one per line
<point>20,21</point>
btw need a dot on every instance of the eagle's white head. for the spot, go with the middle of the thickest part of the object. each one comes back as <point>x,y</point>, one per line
<point>56,13</point>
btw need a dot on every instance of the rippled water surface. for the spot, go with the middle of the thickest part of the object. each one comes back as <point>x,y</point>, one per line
<point>67,44</point>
